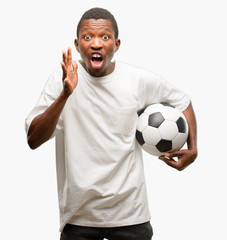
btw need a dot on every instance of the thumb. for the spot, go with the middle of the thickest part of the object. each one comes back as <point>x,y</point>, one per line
<point>173,154</point>
<point>169,161</point>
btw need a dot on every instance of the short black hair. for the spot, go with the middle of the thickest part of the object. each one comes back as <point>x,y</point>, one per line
<point>99,13</point>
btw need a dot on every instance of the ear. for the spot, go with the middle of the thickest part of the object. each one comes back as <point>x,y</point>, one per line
<point>117,44</point>
<point>76,43</point>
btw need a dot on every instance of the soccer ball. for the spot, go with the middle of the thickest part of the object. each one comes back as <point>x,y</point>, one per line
<point>161,128</point>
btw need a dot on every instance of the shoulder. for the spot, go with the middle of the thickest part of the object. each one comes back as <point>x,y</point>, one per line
<point>55,76</point>
<point>137,72</point>
<point>54,82</point>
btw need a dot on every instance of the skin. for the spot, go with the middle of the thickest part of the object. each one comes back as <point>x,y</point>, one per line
<point>97,37</point>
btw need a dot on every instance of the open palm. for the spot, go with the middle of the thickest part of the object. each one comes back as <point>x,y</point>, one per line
<point>70,77</point>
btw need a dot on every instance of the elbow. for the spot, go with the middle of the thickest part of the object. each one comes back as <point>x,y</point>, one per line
<point>32,143</point>
<point>32,139</point>
<point>32,147</point>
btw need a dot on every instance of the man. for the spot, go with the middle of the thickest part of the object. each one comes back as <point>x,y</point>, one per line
<point>91,107</point>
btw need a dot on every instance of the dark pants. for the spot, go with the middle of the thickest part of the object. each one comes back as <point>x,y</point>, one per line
<point>142,231</point>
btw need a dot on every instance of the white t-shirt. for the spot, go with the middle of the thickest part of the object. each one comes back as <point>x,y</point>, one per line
<point>99,162</point>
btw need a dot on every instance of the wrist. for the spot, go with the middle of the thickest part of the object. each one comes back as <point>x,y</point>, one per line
<point>64,95</point>
<point>192,144</point>
<point>194,152</point>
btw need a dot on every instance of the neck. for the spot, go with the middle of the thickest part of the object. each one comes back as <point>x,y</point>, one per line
<point>98,74</point>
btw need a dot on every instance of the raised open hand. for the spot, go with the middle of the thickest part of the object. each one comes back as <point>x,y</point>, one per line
<point>70,77</point>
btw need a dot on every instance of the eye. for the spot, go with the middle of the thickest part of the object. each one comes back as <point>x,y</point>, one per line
<point>87,37</point>
<point>105,37</point>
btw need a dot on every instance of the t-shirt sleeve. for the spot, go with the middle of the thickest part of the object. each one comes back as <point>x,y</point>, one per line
<point>158,90</point>
<point>49,94</point>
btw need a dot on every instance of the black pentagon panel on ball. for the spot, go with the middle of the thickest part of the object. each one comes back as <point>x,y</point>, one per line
<point>167,104</point>
<point>164,145</point>
<point>139,137</point>
<point>155,119</point>
<point>181,124</point>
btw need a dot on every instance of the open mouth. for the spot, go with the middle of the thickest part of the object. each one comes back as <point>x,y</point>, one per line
<point>96,61</point>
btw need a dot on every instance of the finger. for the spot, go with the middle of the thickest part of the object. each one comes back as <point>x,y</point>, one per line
<point>170,162</point>
<point>173,154</point>
<point>74,66</point>
<point>166,159</point>
<point>63,69</point>
<point>69,57</point>
<point>64,56</point>
<point>162,157</point>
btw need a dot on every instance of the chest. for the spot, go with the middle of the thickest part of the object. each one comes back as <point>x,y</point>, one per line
<point>107,107</point>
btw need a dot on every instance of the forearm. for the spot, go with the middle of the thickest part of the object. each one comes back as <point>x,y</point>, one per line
<point>43,125</point>
<point>192,136</point>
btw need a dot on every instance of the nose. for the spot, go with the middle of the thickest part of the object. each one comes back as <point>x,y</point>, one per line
<point>96,44</point>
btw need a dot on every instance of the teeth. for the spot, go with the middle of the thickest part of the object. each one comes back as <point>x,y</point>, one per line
<point>96,56</point>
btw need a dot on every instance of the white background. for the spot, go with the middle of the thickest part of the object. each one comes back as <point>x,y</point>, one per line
<point>184,41</point>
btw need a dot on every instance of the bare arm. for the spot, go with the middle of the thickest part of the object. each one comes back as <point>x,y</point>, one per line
<point>43,125</point>
<point>185,156</point>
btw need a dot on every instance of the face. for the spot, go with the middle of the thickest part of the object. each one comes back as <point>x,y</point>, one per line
<point>97,44</point>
